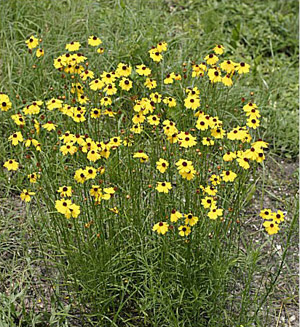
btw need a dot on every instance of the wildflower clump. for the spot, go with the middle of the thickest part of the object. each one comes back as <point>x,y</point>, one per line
<point>137,151</point>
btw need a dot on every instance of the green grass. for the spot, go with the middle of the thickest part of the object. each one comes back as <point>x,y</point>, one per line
<point>136,279</point>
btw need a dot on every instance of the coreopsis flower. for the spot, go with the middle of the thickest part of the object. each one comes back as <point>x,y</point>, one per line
<point>161,228</point>
<point>115,141</point>
<point>93,155</point>
<point>228,66</point>
<point>63,205</point>
<point>73,46</point>
<point>210,190</point>
<point>114,210</point>
<point>184,230</point>
<point>11,164</point>
<point>214,75</point>
<point>90,172</point>
<point>142,156</point>
<point>125,84</point>
<point>65,191</point>
<point>80,175</point>
<point>18,119</point>
<point>228,176</point>
<point>266,214</point>
<point>153,120</point>
<point>260,144</point>
<point>49,126</point>
<point>278,216</point>
<point>177,77</point>
<point>171,102</point>
<point>199,70</point>
<point>32,42</point>
<point>54,104</point>
<point>226,80</point>
<point>34,108</point>
<point>74,211</point>
<point>190,219</point>
<point>96,84</point>
<point>87,74</point>
<point>162,46</point>
<point>253,113</point>
<point>33,177</point>
<point>242,68</point>
<point>208,202</point>
<point>243,161</point>
<point>217,133</point>
<point>219,49</point>
<point>106,101</point>
<point>155,55</point>
<point>169,79</point>
<point>202,123</point>
<point>68,148</point>
<point>123,70</point>
<point>94,41</point>
<point>175,215</point>
<point>192,102</point>
<point>186,140</point>
<point>211,59</point>
<point>253,123</point>
<point>215,179</point>
<point>16,138</point>
<point>96,192</point>
<point>143,70</point>
<point>215,213</point>
<point>150,83</point>
<point>138,119</point>
<point>100,50</point>
<point>162,165</point>
<point>163,187</point>
<point>207,141</point>
<point>59,62</point>
<point>26,195</point>
<point>271,227</point>
<point>155,97</point>
<point>229,156</point>
<point>5,103</point>
<point>108,78</point>
<point>39,53</point>
<point>79,117</point>
<point>95,113</point>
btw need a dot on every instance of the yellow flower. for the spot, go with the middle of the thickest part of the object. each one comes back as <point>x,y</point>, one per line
<point>228,176</point>
<point>211,59</point>
<point>150,83</point>
<point>219,49</point>
<point>271,227</point>
<point>142,156</point>
<point>190,219</point>
<point>153,120</point>
<point>163,187</point>
<point>5,103</point>
<point>54,104</point>
<point>16,138</point>
<point>125,84</point>
<point>90,172</point>
<point>96,84</point>
<point>32,42</point>
<point>155,55</point>
<point>80,176</point>
<point>208,202</point>
<point>11,164</point>
<point>33,177</point>
<point>142,70</point>
<point>123,70</point>
<point>65,191</point>
<point>162,46</point>
<point>215,213</point>
<point>94,41</point>
<point>175,215</point>
<point>162,165</point>
<point>49,126</point>
<point>40,53</point>
<point>26,195</point>
<point>100,50</point>
<point>242,68</point>
<point>161,227</point>
<point>73,46</point>
<point>184,230</point>
<point>192,102</point>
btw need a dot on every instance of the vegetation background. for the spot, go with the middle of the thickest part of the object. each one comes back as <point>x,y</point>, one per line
<point>263,33</point>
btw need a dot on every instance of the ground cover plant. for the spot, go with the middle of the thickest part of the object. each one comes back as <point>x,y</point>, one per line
<point>136,171</point>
